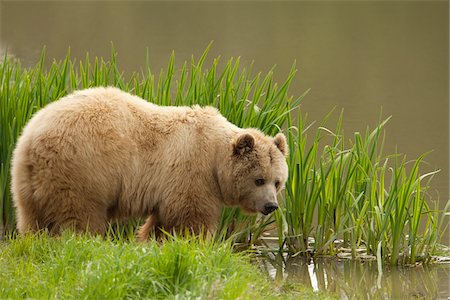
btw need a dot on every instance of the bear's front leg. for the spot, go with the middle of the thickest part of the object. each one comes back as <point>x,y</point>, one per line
<point>190,215</point>
<point>151,226</point>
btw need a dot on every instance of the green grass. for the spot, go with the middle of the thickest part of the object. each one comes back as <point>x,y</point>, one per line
<point>342,193</point>
<point>83,267</point>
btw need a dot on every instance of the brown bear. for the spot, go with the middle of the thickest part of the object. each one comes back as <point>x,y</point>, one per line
<point>102,154</point>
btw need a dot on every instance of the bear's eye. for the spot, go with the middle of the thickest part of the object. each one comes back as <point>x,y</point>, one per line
<point>277,184</point>
<point>260,182</point>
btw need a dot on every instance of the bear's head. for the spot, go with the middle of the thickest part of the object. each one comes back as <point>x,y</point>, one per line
<point>258,171</point>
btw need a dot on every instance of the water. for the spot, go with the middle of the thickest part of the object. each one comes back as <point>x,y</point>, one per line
<point>361,279</point>
<point>363,56</point>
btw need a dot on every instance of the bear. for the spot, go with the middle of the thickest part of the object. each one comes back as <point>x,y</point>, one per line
<point>101,154</point>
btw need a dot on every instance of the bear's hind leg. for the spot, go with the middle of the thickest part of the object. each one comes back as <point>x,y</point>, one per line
<point>26,219</point>
<point>76,214</point>
<point>94,224</point>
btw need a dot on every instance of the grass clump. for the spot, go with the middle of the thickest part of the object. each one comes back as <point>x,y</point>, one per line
<point>82,267</point>
<point>346,195</point>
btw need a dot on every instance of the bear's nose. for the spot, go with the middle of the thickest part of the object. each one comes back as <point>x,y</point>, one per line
<point>269,207</point>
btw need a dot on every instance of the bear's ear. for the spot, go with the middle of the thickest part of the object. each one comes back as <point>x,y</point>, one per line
<point>280,142</point>
<point>244,144</point>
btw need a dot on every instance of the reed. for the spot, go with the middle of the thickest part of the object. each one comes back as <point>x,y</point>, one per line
<point>348,196</point>
<point>341,193</point>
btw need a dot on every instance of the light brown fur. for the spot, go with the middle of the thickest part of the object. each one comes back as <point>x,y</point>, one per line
<point>102,154</point>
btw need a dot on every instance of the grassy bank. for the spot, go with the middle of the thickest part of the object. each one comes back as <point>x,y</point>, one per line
<point>342,192</point>
<point>83,267</point>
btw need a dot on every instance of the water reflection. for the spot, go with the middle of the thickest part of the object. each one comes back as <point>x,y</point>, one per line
<point>350,279</point>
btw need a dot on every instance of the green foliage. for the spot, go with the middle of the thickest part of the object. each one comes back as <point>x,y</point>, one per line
<point>340,193</point>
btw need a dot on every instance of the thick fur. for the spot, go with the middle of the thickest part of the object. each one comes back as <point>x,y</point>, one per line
<point>102,154</point>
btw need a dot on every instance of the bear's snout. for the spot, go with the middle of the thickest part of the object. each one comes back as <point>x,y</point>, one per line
<point>269,207</point>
